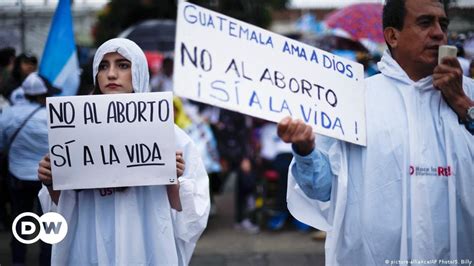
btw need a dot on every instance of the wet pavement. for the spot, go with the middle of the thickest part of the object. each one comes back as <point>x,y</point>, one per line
<point>223,245</point>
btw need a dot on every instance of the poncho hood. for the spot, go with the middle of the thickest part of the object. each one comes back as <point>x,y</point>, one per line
<point>390,68</point>
<point>132,52</point>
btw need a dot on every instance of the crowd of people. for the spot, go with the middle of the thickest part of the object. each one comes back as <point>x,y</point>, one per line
<point>227,142</point>
<point>346,187</point>
<point>394,201</point>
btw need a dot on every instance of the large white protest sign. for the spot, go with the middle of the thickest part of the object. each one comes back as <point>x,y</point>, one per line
<point>113,140</point>
<point>234,65</point>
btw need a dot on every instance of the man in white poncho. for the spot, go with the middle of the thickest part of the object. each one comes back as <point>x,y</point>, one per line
<point>408,196</point>
<point>152,225</point>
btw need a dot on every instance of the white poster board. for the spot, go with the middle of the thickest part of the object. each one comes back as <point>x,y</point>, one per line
<point>231,64</point>
<point>114,140</point>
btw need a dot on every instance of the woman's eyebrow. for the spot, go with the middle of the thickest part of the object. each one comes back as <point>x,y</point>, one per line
<point>122,60</point>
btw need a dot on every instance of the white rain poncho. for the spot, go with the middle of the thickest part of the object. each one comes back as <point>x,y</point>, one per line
<point>408,195</point>
<point>136,226</point>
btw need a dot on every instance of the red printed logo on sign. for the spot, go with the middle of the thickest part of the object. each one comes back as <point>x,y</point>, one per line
<point>430,171</point>
<point>444,171</point>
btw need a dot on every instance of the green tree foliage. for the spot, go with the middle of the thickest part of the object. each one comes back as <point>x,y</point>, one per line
<point>120,14</point>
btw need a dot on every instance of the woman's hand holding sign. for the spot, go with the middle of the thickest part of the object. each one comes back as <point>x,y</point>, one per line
<point>45,176</point>
<point>173,190</point>
<point>44,171</point>
<point>180,166</point>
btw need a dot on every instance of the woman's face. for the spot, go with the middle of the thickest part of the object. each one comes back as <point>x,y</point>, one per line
<point>115,74</point>
<point>27,68</point>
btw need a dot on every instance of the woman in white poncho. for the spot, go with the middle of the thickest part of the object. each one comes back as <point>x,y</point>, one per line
<point>152,225</point>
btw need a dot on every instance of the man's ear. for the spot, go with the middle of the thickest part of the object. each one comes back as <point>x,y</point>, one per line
<point>391,36</point>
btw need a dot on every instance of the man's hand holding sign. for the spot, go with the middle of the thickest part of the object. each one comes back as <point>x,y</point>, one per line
<point>297,132</point>
<point>234,65</point>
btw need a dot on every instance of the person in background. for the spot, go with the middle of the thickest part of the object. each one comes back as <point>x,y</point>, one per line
<point>367,61</point>
<point>23,65</point>
<point>24,132</point>
<point>163,81</point>
<point>7,57</point>
<point>144,225</point>
<point>200,132</point>
<point>471,69</point>
<point>277,154</point>
<point>462,60</point>
<point>407,195</point>
<point>234,136</point>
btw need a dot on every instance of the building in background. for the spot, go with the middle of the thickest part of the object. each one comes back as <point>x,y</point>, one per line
<point>24,24</point>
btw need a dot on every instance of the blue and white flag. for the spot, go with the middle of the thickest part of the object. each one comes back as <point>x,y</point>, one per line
<point>59,63</point>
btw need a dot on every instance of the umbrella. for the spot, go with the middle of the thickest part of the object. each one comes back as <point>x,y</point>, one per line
<point>152,35</point>
<point>360,22</point>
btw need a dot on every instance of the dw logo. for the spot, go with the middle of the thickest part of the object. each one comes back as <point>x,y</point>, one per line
<point>28,227</point>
